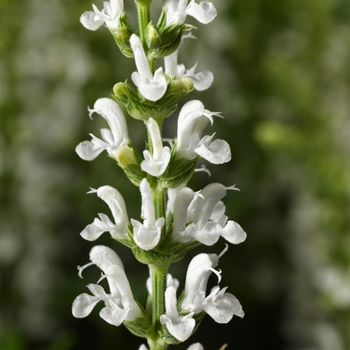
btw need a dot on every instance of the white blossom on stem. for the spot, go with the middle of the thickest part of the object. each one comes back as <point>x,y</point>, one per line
<point>116,204</point>
<point>221,306</point>
<point>195,346</point>
<point>155,163</point>
<point>208,222</point>
<point>180,327</point>
<point>151,87</point>
<point>147,235</point>
<point>110,14</point>
<point>177,11</point>
<point>201,81</point>
<point>120,305</point>
<point>193,118</point>
<point>113,138</point>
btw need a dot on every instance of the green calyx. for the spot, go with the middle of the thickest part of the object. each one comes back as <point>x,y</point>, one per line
<point>140,108</point>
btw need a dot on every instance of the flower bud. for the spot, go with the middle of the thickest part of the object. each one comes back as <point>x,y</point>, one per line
<point>177,90</point>
<point>170,38</point>
<point>122,35</point>
<point>129,160</point>
<point>138,107</point>
<point>153,39</point>
<point>125,157</point>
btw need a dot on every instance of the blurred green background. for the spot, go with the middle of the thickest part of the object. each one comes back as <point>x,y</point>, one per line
<point>282,82</point>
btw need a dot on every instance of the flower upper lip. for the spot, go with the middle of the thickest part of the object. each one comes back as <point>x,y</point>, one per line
<point>113,138</point>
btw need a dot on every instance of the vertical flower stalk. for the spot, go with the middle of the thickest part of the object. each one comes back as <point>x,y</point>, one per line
<point>174,218</point>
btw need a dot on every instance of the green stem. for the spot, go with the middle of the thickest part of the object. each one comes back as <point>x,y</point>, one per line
<point>143,15</point>
<point>158,273</point>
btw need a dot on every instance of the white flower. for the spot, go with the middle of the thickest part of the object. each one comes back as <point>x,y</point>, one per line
<point>208,222</point>
<point>112,138</point>
<point>155,163</point>
<point>151,87</point>
<point>182,201</point>
<point>110,14</point>
<point>180,327</point>
<point>119,303</point>
<point>177,11</point>
<point>195,346</point>
<point>147,235</point>
<point>201,80</point>
<point>219,305</point>
<point>193,118</point>
<point>116,204</point>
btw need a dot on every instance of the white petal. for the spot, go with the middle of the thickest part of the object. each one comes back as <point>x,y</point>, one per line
<point>104,257</point>
<point>182,202</point>
<point>140,58</point>
<point>91,21</point>
<point>151,87</point>
<point>180,327</point>
<point>202,80</point>
<point>93,231</point>
<point>134,311</point>
<point>143,347</point>
<point>209,234</point>
<point>222,306</point>
<point>117,276</point>
<point>83,305</point>
<point>198,272</point>
<point>116,204</point>
<point>216,152</point>
<point>88,151</point>
<point>115,118</point>
<point>114,316</point>
<point>189,113</point>
<point>175,11</point>
<point>233,233</point>
<point>145,238</point>
<point>155,167</point>
<point>203,12</point>
<point>153,90</point>
<point>195,346</point>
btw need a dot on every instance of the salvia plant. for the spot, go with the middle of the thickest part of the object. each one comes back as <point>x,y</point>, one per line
<point>174,218</point>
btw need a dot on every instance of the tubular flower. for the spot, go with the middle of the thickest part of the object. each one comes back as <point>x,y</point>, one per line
<point>120,305</point>
<point>208,222</point>
<point>110,14</point>
<point>219,305</point>
<point>180,327</point>
<point>177,11</point>
<point>113,138</point>
<point>151,87</point>
<point>201,80</point>
<point>147,235</point>
<point>156,163</point>
<point>116,204</point>
<point>193,118</point>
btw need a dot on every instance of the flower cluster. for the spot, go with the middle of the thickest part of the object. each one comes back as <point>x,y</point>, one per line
<point>174,218</point>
